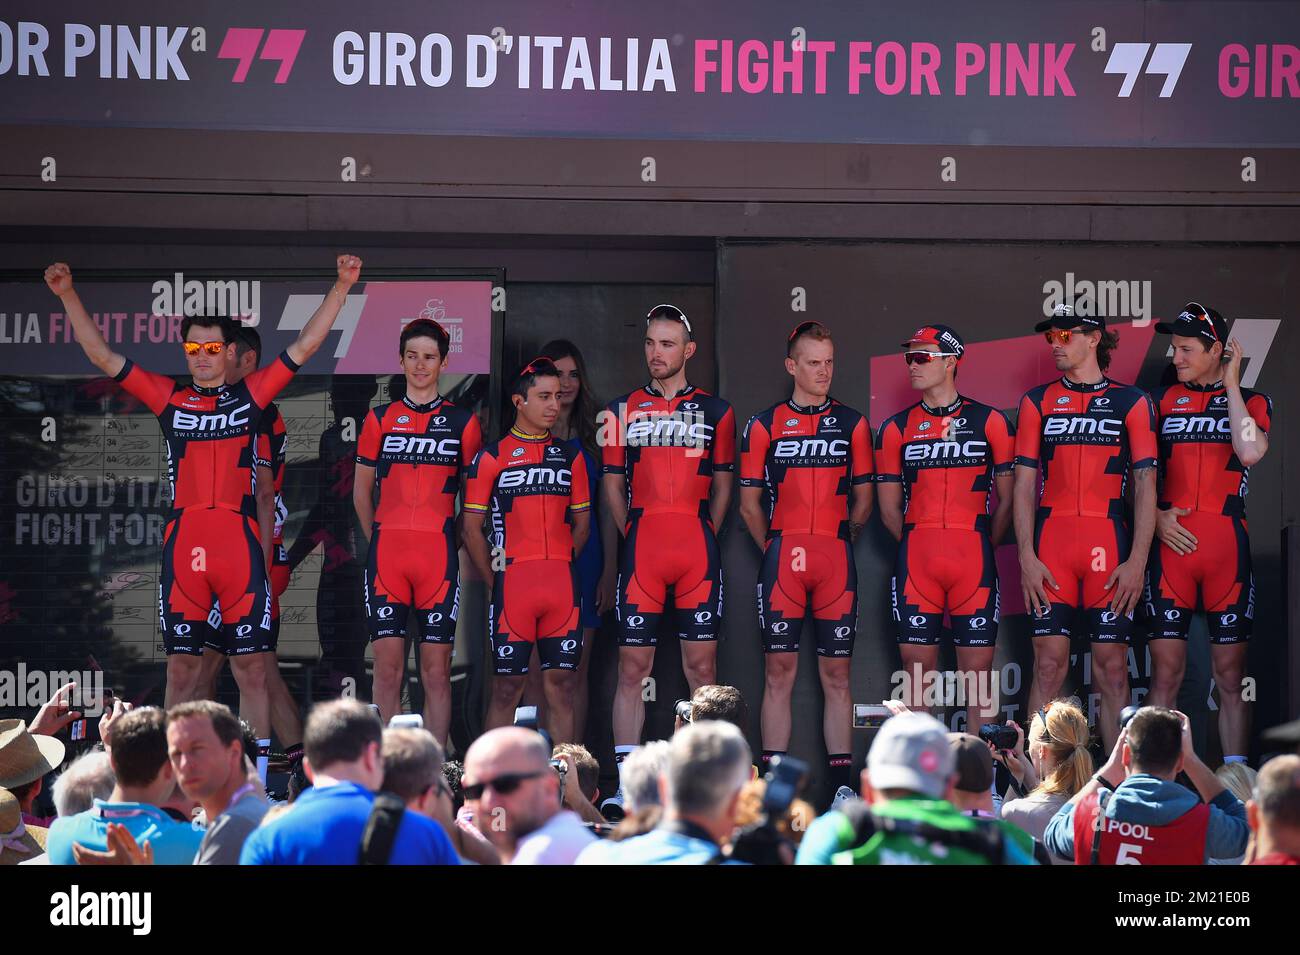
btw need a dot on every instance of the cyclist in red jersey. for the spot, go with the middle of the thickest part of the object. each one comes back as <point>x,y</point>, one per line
<point>534,488</point>
<point>936,464</point>
<point>805,492</point>
<point>412,455</point>
<point>1211,432</point>
<point>669,453</point>
<point>269,458</point>
<point>211,548</point>
<point>1079,556</point>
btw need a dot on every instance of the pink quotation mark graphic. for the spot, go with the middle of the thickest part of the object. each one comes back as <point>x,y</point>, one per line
<point>241,44</point>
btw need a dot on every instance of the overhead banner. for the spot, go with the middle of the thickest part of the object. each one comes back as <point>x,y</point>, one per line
<point>1119,73</point>
<point>142,320</point>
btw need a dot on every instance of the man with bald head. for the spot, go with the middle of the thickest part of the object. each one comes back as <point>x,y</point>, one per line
<point>514,794</point>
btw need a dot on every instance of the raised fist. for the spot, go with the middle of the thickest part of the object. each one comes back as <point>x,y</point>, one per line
<point>349,269</point>
<point>59,278</point>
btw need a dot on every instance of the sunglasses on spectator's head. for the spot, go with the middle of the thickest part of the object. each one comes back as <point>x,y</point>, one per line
<point>505,784</point>
<point>669,313</point>
<point>1042,718</point>
<point>212,348</point>
<point>922,357</point>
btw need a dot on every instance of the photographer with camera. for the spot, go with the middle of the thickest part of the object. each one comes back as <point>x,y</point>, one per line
<point>905,816</point>
<point>708,765</point>
<point>713,701</point>
<point>513,788</point>
<point>1058,766</point>
<point>1143,817</point>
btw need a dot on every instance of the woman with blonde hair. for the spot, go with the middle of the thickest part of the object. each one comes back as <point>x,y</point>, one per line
<point>1238,779</point>
<point>1058,766</point>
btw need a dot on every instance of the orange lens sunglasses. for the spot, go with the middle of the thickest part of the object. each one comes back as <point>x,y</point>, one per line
<point>212,348</point>
<point>1058,336</point>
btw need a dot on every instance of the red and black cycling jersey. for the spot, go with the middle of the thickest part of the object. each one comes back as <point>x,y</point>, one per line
<point>531,483</point>
<point>271,453</point>
<point>805,459</point>
<point>1199,468</point>
<point>668,448</point>
<point>945,458</point>
<point>209,432</point>
<point>419,452</point>
<point>1086,438</point>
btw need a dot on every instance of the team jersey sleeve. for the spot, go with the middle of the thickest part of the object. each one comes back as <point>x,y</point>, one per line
<point>1140,422</point>
<point>1260,407</point>
<point>753,453</point>
<point>613,452</point>
<point>471,441</point>
<point>862,461</point>
<point>368,443</point>
<point>580,489</point>
<point>480,482</point>
<point>262,450</point>
<point>265,383</point>
<point>1001,436</point>
<point>889,453</point>
<point>724,442</point>
<point>1029,433</point>
<point>269,449</point>
<point>152,390</point>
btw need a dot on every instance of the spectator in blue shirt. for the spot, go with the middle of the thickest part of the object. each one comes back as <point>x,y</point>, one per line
<point>343,742</point>
<point>145,781</point>
<point>708,766</point>
<point>1146,807</point>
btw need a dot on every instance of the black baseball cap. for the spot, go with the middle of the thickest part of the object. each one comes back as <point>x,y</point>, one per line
<point>1197,321</point>
<point>1064,316</point>
<point>946,338</point>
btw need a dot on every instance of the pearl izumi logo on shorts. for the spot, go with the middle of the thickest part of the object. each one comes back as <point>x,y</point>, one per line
<point>133,910</point>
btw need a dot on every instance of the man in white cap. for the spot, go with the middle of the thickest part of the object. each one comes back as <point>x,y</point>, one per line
<point>906,816</point>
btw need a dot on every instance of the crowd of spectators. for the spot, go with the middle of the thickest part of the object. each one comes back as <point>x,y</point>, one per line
<point>182,787</point>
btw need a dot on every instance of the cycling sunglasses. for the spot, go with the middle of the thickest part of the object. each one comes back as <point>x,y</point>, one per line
<point>803,327</point>
<point>1205,317</point>
<point>1058,336</point>
<point>921,357</point>
<point>542,365</point>
<point>212,348</point>
<point>504,784</point>
<point>669,313</point>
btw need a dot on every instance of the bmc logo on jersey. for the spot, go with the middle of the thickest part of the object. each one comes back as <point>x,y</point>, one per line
<point>944,450</point>
<point>413,444</point>
<point>667,430</point>
<point>810,448</point>
<point>1196,424</point>
<point>188,421</point>
<point>533,476</point>
<point>1077,424</point>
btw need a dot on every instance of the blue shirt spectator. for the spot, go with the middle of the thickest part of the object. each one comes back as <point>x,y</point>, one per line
<point>1143,799</point>
<point>173,842</point>
<point>325,825</point>
<point>663,846</point>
